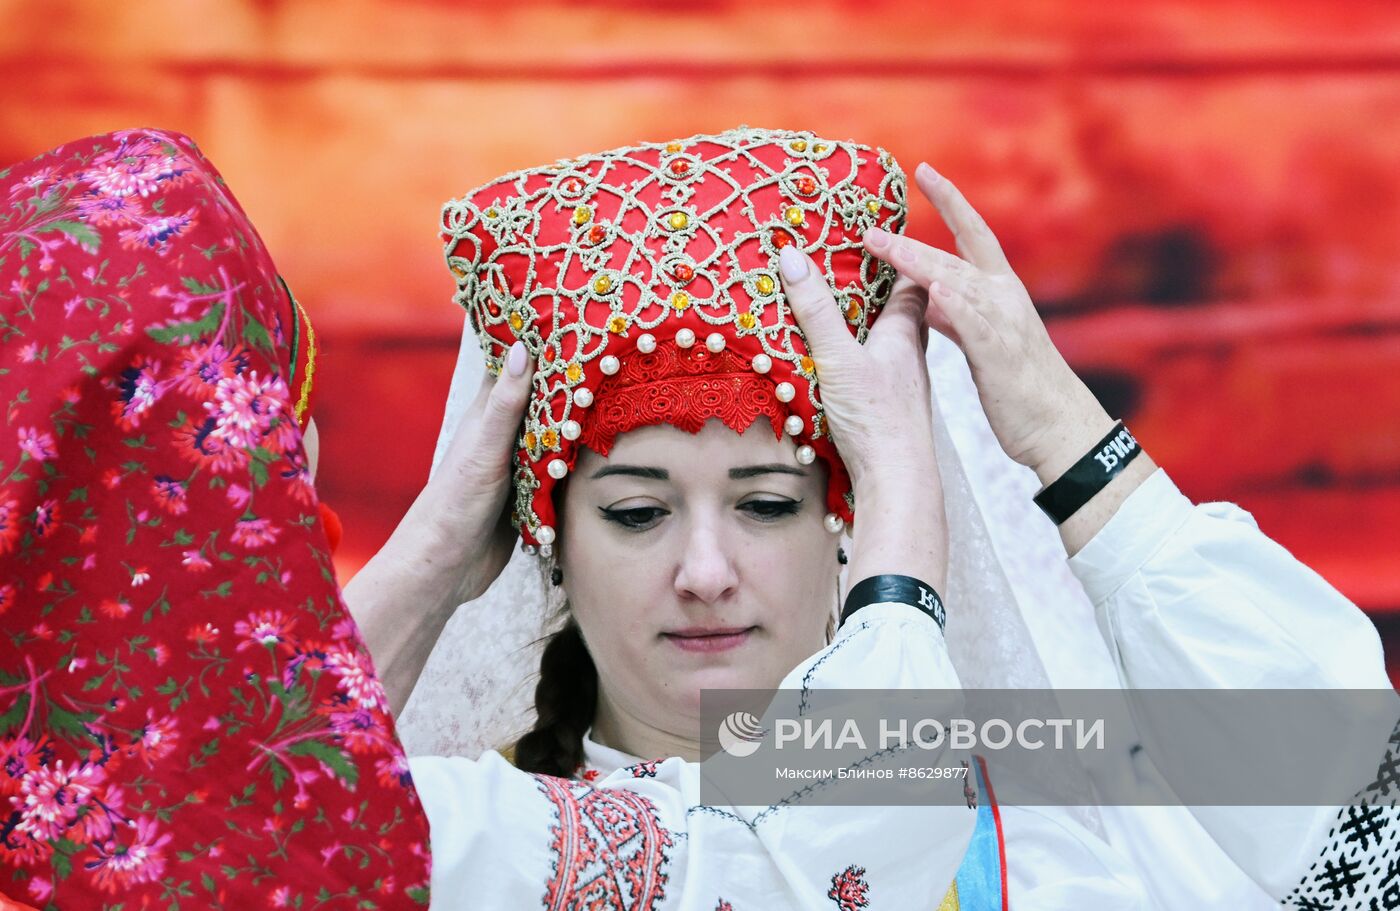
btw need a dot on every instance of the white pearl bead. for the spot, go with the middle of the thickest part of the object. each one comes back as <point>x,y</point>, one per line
<point>570,430</point>
<point>583,397</point>
<point>528,550</point>
<point>793,425</point>
<point>544,534</point>
<point>834,523</point>
<point>715,342</point>
<point>806,455</point>
<point>546,550</point>
<point>646,343</point>
<point>609,365</point>
<point>685,338</point>
<point>762,363</point>
<point>785,392</point>
<point>557,469</point>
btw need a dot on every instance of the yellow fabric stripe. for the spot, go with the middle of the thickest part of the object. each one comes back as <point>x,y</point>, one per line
<point>304,399</point>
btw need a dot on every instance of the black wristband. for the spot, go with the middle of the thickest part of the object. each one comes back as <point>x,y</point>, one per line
<point>1063,497</point>
<point>900,589</point>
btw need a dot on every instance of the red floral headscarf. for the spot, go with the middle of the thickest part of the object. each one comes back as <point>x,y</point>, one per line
<point>186,708</point>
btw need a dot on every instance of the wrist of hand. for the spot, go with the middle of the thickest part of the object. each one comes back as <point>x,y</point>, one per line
<point>911,467</point>
<point>1044,416</point>
<point>1069,443</point>
<point>900,509</point>
<point>430,554</point>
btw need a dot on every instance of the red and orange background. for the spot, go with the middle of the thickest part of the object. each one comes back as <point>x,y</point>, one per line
<point>1203,198</point>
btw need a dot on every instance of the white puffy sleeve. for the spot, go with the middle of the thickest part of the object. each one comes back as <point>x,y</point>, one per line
<point>908,855</point>
<point>1197,597</point>
<point>912,853</point>
<point>1053,863</point>
<point>488,829</point>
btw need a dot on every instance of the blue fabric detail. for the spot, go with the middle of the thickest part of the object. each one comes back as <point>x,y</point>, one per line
<point>979,876</point>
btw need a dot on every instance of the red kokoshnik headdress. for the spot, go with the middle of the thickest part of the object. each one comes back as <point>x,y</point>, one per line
<point>644,281</point>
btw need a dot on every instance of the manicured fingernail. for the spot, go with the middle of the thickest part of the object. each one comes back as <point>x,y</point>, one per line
<point>937,289</point>
<point>905,252</point>
<point>792,263</point>
<point>878,238</point>
<point>515,360</point>
<point>928,173</point>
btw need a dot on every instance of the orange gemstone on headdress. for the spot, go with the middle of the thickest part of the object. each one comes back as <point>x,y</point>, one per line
<point>582,214</point>
<point>574,373</point>
<point>516,322</point>
<point>798,145</point>
<point>674,146</point>
<point>747,320</point>
<point>680,300</point>
<point>549,438</point>
<point>597,233</point>
<point>806,364</point>
<point>492,212</point>
<point>805,185</point>
<point>873,207</point>
<point>602,284</point>
<point>549,354</point>
<point>781,239</point>
<point>793,215</point>
<point>683,273</point>
<point>853,311</point>
<point>680,167</point>
<point>617,324</point>
<point>530,440</point>
<point>765,284</point>
<point>678,220</point>
<point>820,147</point>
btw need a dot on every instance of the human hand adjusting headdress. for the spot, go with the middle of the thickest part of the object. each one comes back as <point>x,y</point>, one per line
<point>644,282</point>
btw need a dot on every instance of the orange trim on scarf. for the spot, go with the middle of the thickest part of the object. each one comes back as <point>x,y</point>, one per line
<point>305,366</point>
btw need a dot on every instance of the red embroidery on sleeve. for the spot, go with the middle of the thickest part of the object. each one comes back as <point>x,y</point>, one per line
<point>849,889</point>
<point>609,846</point>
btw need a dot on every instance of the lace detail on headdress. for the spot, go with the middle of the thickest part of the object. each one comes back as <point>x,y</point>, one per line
<point>594,260</point>
<point>684,388</point>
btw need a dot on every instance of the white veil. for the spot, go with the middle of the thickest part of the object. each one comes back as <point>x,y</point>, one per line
<point>476,690</point>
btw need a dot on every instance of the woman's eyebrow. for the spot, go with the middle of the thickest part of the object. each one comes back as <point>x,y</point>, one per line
<point>753,471</point>
<point>661,474</point>
<point>635,471</point>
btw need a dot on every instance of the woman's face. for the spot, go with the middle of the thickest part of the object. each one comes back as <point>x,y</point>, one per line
<point>696,561</point>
